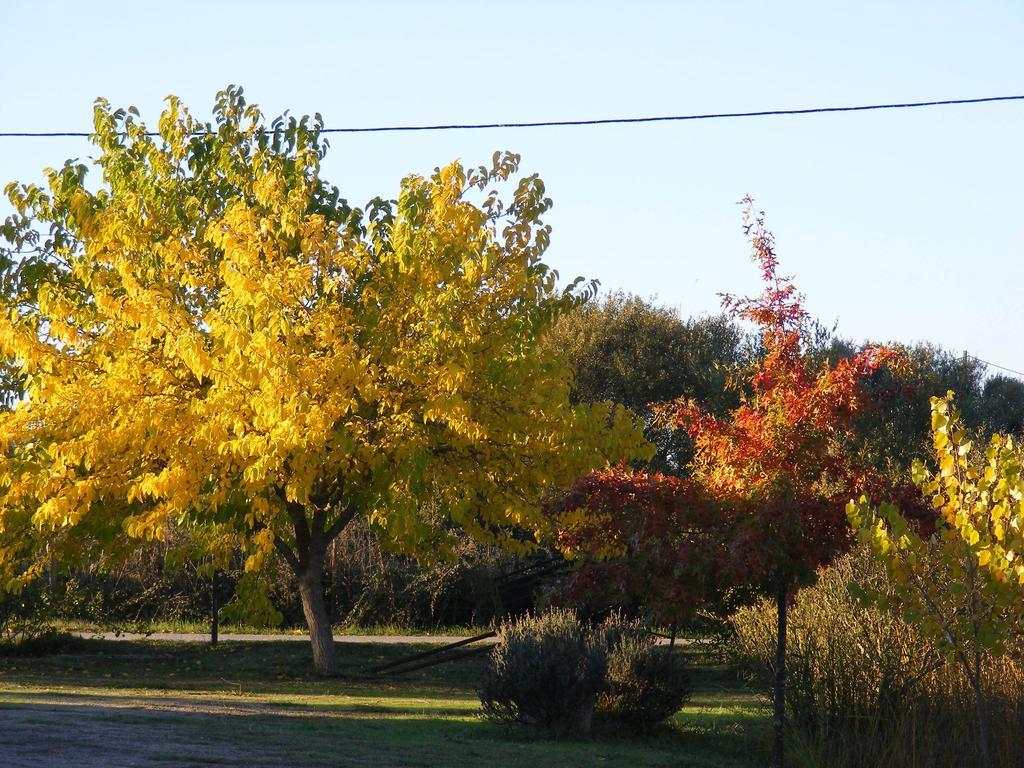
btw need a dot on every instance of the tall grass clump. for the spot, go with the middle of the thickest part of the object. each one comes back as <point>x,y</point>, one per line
<point>865,689</point>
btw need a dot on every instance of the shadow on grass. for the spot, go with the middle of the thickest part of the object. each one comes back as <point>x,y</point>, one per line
<point>161,703</point>
<point>89,731</point>
<point>249,666</point>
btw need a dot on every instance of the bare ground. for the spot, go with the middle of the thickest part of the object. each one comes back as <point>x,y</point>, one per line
<point>128,732</point>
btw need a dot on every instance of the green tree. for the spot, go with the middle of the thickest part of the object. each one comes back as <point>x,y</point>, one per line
<point>893,433</point>
<point>636,353</point>
<point>1002,405</point>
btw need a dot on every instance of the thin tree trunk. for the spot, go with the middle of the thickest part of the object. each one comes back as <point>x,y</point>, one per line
<point>974,675</point>
<point>986,760</point>
<point>585,718</point>
<point>333,609</point>
<point>51,576</point>
<point>311,590</point>
<point>779,694</point>
<point>214,608</point>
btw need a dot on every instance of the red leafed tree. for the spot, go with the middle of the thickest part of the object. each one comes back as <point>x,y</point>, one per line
<point>782,451</point>
<point>763,505</point>
<point>648,541</point>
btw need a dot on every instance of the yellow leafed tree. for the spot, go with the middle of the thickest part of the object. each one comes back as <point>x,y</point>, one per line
<point>962,584</point>
<point>219,341</point>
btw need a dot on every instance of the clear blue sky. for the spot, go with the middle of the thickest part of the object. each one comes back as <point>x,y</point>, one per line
<point>900,225</point>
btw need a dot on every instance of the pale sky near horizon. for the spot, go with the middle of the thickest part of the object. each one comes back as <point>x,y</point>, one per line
<point>900,225</point>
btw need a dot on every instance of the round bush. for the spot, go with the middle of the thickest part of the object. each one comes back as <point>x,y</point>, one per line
<point>645,683</point>
<point>552,670</point>
<point>545,670</point>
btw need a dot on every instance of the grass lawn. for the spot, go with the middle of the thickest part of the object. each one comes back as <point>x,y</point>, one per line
<point>203,628</point>
<point>257,704</point>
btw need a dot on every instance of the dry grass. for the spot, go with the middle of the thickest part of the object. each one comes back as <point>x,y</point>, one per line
<point>864,689</point>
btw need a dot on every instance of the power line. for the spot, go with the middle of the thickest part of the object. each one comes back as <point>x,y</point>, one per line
<point>601,121</point>
<point>995,365</point>
<point>608,121</point>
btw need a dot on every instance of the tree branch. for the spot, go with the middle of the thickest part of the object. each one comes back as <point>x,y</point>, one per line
<point>343,519</point>
<point>286,553</point>
<point>297,514</point>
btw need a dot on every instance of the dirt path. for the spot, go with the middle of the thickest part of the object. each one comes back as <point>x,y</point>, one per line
<point>203,704</point>
<point>57,732</point>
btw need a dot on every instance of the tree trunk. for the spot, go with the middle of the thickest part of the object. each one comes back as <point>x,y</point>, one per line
<point>332,609</point>
<point>979,709</point>
<point>311,590</point>
<point>585,719</point>
<point>313,534</point>
<point>214,608</point>
<point>779,694</point>
<point>986,760</point>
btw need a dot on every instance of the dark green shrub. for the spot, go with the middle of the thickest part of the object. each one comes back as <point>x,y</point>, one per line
<point>645,684</point>
<point>24,615</point>
<point>42,643</point>
<point>545,670</point>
